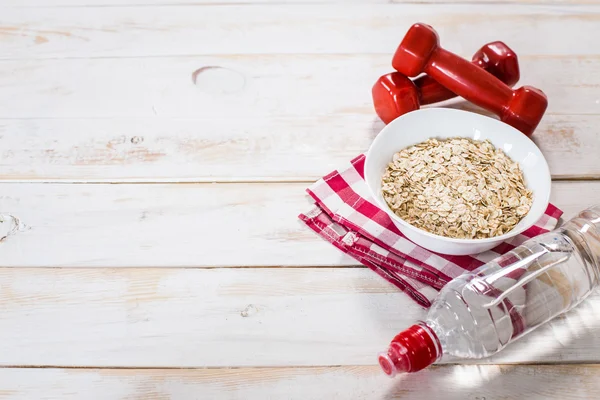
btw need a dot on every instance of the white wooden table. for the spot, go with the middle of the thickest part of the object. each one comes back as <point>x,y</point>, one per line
<point>153,161</point>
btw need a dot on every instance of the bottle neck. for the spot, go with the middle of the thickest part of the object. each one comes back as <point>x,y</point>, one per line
<point>411,350</point>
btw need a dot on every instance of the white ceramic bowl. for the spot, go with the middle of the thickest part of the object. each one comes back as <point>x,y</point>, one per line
<point>423,124</point>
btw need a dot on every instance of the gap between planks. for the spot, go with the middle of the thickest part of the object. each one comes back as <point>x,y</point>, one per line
<point>259,55</point>
<point>209,3</point>
<point>291,367</point>
<point>200,267</point>
<point>262,3</point>
<point>455,382</point>
<point>218,180</point>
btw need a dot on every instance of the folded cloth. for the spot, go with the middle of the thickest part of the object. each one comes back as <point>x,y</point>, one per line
<point>345,215</point>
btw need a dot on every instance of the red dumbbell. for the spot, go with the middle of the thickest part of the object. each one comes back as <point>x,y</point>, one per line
<point>394,94</point>
<point>419,52</point>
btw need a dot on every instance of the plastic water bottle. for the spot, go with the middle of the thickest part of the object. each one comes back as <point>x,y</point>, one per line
<point>479,313</point>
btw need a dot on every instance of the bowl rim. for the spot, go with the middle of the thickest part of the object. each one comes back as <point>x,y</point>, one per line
<point>513,232</point>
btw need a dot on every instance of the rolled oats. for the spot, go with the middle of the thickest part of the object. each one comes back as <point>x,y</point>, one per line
<point>457,187</point>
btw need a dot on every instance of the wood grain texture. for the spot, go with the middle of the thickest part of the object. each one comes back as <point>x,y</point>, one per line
<point>265,317</point>
<point>342,383</point>
<point>283,117</point>
<point>84,32</point>
<point>185,225</point>
<point>223,150</point>
<point>248,87</point>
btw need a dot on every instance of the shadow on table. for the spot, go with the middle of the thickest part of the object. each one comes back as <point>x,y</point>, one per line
<point>570,338</point>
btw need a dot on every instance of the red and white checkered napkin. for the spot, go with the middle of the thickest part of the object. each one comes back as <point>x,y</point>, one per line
<point>345,215</point>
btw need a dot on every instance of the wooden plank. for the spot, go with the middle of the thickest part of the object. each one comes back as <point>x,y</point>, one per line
<point>210,225</point>
<point>132,225</point>
<point>265,317</point>
<point>246,87</point>
<point>448,382</point>
<point>124,120</point>
<point>356,28</point>
<point>222,150</point>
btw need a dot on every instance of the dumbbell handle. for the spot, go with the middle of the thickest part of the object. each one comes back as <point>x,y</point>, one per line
<point>469,81</point>
<point>430,91</point>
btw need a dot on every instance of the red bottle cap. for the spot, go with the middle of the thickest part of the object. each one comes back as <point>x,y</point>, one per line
<point>411,350</point>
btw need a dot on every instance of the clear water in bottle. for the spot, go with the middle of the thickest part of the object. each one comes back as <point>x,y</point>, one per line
<point>479,313</point>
